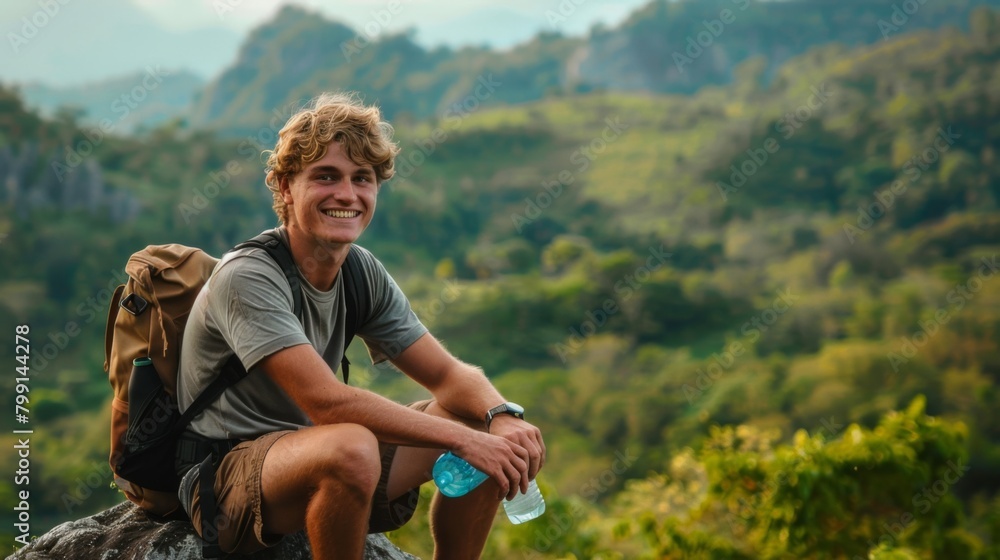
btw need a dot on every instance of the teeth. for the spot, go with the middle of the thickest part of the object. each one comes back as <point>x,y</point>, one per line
<point>342,213</point>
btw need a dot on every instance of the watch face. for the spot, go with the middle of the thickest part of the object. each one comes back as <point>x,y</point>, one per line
<point>514,407</point>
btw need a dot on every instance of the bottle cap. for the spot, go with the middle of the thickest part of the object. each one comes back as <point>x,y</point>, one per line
<point>142,362</point>
<point>443,478</point>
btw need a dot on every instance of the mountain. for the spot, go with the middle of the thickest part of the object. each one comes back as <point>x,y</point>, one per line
<point>140,99</point>
<point>683,46</point>
<point>285,62</point>
<point>663,47</point>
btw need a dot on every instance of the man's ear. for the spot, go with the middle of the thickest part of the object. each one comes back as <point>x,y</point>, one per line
<point>285,190</point>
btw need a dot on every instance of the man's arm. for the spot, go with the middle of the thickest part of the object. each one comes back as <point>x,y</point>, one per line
<point>465,391</point>
<point>301,372</point>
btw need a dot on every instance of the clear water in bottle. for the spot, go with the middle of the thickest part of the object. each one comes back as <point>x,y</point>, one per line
<point>525,507</point>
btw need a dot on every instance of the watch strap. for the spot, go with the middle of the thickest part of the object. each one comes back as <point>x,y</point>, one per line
<point>501,409</point>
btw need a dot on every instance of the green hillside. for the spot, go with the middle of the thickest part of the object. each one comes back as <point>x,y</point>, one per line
<point>758,321</point>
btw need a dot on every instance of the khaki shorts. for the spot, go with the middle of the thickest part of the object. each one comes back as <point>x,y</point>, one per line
<point>238,492</point>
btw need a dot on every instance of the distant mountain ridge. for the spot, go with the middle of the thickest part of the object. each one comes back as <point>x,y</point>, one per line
<point>140,99</point>
<point>679,47</point>
<point>664,47</point>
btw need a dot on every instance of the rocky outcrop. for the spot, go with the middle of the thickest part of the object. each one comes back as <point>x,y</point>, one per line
<point>124,532</point>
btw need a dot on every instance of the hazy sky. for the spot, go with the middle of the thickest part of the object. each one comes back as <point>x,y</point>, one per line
<point>243,14</point>
<point>90,40</point>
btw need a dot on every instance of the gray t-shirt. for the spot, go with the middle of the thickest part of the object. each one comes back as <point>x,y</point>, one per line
<point>246,307</point>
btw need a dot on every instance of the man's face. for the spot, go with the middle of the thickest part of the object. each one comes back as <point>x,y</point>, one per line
<point>332,199</point>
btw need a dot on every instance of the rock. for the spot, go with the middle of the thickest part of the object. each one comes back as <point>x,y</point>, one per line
<point>124,532</point>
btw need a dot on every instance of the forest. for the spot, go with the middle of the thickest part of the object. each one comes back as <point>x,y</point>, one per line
<point>758,319</point>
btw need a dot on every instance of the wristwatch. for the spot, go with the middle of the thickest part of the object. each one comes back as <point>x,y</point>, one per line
<point>511,408</point>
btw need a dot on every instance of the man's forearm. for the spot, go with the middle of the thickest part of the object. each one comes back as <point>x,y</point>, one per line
<point>392,422</point>
<point>466,391</point>
<point>308,380</point>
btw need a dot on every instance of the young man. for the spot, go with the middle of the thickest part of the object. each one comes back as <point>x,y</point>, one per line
<point>317,454</point>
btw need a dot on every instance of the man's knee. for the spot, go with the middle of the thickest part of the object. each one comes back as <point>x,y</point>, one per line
<point>349,456</point>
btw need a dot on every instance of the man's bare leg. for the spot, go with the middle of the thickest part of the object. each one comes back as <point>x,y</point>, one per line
<point>460,526</point>
<point>322,478</point>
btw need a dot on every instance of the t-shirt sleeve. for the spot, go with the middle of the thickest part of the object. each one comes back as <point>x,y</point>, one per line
<point>391,326</point>
<point>251,303</point>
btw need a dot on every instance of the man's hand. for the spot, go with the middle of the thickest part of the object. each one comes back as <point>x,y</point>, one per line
<point>465,391</point>
<point>505,461</point>
<point>525,435</point>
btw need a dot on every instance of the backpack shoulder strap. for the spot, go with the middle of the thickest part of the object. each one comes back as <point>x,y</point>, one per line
<point>356,290</point>
<point>270,242</point>
<point>357,299</point>
<point>233,370</point>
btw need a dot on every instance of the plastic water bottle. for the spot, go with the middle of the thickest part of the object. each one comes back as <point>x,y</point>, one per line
<point>455,477</point>
<point>525,507</point>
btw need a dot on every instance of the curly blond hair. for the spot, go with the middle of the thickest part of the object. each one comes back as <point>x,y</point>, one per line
<point>331,117</point>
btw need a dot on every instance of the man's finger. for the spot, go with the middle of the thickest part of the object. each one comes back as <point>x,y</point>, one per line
<point>526,475</point>
<point>514,477</point>
<point>541,448</point>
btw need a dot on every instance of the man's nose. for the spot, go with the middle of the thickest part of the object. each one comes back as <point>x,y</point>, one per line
<point>343,190</point>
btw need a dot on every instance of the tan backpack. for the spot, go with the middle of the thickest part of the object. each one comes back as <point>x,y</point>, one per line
<point>146,319</point>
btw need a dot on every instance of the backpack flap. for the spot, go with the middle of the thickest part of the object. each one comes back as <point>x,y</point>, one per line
<point>169,278</point>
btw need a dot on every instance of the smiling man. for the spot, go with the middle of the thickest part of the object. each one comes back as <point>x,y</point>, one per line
<point>310,451</point>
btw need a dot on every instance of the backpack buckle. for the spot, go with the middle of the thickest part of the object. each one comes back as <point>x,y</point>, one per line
<point>134,304</point>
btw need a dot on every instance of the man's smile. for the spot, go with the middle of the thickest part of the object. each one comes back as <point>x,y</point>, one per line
<point>342,213</point>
